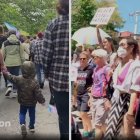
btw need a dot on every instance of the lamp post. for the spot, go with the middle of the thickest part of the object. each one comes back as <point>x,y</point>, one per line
<point>135,14</point>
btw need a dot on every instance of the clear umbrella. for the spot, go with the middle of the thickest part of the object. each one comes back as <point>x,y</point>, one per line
<point>88,35</point>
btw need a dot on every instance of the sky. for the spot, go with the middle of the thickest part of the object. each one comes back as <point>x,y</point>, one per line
<point>127,7</point>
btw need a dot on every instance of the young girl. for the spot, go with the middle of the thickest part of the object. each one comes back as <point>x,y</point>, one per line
<point>98,91</point>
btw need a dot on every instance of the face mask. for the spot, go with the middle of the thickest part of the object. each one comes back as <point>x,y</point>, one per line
<point>121,52</point>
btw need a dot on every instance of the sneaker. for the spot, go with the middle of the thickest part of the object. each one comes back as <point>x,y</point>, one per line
<point>23,130</point>
<point>8,91</point>
<point>32,129</point>
<point>85,134</point>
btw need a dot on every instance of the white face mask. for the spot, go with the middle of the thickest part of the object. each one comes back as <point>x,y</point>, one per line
<point>121,52</point>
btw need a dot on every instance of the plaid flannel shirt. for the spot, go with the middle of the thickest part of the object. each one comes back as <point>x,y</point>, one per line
<point>37,51</point>
<point>55,54</point>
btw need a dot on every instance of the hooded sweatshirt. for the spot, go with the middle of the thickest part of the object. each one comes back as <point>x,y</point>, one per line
<point>13,52</point>
<point>28,88</point>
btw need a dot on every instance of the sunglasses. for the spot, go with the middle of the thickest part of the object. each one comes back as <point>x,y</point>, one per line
<point>83,58</point>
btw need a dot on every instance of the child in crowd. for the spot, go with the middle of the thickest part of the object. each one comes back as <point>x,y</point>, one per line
<point>28,94</point>
<point>98,95</point>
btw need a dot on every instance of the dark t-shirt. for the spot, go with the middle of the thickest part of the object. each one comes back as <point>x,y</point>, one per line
<point>84,79</point>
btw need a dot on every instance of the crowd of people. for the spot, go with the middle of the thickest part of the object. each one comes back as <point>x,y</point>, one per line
<point>107,84</point>
<point>25,63</point>
<point>105,79</point>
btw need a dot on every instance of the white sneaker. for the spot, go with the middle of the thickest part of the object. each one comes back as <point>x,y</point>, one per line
<point>23,130</point>
<point>8,91</point>
<point>32,130</point>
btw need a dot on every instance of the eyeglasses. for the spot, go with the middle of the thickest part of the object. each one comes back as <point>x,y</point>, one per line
<point>82,58</point>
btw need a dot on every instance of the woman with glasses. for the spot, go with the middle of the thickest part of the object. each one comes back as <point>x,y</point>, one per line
<point>84,82</point>
<point>125,94</point>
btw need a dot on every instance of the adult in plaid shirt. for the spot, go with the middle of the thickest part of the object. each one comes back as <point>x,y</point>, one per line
<point>37,53</point>
<point>56,64</point>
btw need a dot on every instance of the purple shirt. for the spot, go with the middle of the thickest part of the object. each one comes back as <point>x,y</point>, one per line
<point>100,80</point>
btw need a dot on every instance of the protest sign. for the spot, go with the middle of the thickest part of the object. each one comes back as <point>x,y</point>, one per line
<point>102,16</point>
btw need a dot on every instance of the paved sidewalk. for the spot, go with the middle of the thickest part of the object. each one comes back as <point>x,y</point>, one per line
<point>80,125</point>
<point>46,122</point>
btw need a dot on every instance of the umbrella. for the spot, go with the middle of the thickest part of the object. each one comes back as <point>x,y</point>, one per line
<point>88,35</point>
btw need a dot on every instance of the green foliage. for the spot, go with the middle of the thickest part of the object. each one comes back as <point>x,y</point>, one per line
<point>116,21</point>
<point>84,10</point>
<point>82,13</point>
<point>28,15</point>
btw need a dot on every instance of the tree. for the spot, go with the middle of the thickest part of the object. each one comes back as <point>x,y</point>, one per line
<point>82,13</point>
<point>29,15</point>
<point>116,21</point>
<point>84,10</point>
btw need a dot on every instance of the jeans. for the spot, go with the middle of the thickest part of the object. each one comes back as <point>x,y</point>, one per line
<point>62,105</point>
<point>22,115</point>
<point>40,73</point>
<point>14,71</point>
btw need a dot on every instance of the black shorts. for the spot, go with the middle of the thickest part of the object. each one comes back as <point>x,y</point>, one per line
<point>82,103</point>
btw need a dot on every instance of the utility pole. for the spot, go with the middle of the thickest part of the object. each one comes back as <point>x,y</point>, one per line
<point>135,14</point>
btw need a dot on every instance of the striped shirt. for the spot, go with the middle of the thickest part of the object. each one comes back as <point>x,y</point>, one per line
<point>56,53</point>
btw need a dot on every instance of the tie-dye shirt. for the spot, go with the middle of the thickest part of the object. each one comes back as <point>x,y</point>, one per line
<point>100,80</point>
